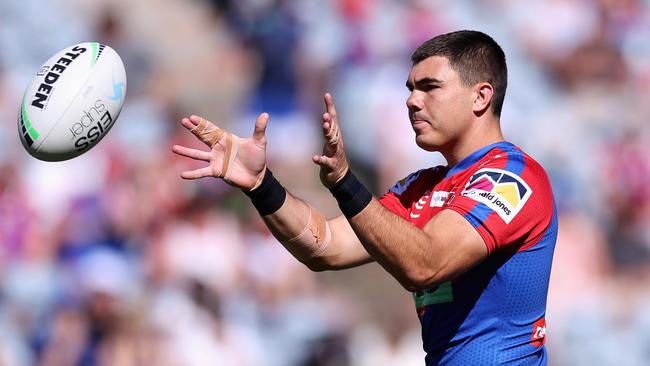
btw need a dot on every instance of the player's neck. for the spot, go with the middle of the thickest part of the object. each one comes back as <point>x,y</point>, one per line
<point>474,140</point>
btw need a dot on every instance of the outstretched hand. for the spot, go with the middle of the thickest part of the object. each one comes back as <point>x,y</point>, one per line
<point>240,162</point>
<point>333,163</point>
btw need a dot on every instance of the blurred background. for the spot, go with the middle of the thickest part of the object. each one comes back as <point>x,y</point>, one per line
<point>112,259</point>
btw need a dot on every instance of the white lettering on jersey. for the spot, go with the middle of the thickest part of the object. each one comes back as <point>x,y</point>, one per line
<point>438,198</point>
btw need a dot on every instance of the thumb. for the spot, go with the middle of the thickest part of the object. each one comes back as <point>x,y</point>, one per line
<point>323,161</point>
<point>260,127</point>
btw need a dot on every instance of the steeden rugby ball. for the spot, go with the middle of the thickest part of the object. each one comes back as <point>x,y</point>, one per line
<point>72,102</point>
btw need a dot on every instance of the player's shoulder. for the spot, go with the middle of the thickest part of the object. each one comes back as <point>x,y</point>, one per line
<point>507,165</point>
<point>507,180</point>
<point>512,159</point>
<point>418,179</point>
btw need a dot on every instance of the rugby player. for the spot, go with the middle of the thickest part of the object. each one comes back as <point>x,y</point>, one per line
<point>472,241</point>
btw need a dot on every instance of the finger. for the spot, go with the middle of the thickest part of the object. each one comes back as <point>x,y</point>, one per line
<point>329,104</point>
<point>324,161</point>
<point>327,118</point>
<point>205,130</point>
<point>191,153</point>
<point>187,123</point>
<point>200,124</point>
<point>320,159</point>
<point>327,124</point>
<point>196,120</point>
<point>331,131</point>
<point>197,173</point>
<point>259,133</point>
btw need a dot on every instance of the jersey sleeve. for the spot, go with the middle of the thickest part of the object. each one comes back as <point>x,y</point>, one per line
<point>392,202</point>
<point>399,197</point>
<point>508,200</point>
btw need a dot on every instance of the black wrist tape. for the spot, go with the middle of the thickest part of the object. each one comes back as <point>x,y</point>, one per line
<point>351,195</point>
<point>269,196</point>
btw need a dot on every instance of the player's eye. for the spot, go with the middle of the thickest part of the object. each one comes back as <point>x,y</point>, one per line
<point>429,87</point>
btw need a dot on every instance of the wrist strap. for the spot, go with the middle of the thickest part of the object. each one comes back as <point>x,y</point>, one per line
<point>269,196</point>
<point>351,195</point>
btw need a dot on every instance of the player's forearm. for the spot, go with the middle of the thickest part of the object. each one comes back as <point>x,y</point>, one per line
<point>301,229</point>
<point>402,248</point>
<point>318,243</point>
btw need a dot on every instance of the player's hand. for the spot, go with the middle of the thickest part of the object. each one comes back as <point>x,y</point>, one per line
<point>240,162</point>
<point>333,163</point>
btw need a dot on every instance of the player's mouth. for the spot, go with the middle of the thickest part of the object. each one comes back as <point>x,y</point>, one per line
<point>417,122</point>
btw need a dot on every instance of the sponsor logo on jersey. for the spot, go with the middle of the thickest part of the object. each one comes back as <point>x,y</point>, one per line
<point>502,191</point>
<point>438,199</point>
<point>538,336</point>
<point>438,295</point>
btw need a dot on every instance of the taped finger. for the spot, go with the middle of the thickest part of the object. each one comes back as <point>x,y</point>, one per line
<point>207,132</point>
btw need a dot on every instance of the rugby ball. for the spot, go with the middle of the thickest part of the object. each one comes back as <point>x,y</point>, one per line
<point>72,102</point>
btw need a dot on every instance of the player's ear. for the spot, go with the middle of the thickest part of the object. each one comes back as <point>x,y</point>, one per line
<point>483,97</point>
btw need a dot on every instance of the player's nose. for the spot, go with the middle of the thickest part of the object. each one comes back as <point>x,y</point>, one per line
<point>414,102</point>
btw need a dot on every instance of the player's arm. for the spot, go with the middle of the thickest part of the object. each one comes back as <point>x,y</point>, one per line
<point>318,243</point>
<point>418,258</point>
<point>241,162</point>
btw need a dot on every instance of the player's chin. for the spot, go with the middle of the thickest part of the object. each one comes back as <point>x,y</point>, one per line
<point>425,143</point>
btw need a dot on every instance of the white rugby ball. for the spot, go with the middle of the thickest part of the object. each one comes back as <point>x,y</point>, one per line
<point>72,102</point>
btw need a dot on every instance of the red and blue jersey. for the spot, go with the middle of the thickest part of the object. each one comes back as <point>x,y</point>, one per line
<point>494,313</point>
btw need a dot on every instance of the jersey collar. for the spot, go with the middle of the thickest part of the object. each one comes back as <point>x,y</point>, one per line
<point>472,158</point>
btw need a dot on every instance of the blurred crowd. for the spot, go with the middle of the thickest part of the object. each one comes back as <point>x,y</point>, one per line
<point>112,259</point>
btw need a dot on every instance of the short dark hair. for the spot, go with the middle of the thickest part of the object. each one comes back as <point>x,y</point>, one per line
<point>475,56</point>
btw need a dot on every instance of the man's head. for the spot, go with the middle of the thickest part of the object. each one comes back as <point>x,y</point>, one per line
<point>458,82</point>
<point>475,56</point>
